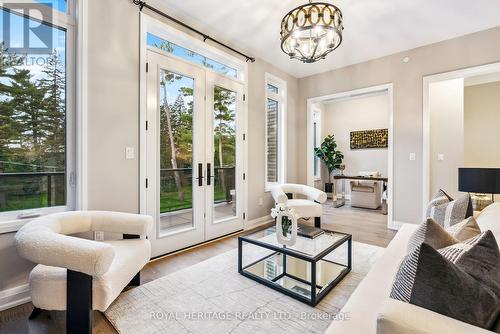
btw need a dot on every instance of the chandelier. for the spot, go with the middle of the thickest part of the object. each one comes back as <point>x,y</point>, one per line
<point>311,31</point>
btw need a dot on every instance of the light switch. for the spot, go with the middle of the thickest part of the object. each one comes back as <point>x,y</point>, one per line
<point>440,157</point>
<point>129,153</point>
<point>412,156</point>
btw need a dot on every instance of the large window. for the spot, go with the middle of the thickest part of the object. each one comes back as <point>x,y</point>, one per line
<point>275,131</point>
<point>36,108</point>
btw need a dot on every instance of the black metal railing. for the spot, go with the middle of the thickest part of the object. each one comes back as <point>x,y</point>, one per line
<point>176,187</point>
<point>30,190</point>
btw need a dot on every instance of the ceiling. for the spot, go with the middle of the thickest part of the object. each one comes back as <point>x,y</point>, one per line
<point>373,28</point>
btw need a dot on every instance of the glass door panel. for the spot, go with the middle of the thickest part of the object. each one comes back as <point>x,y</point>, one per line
<point>176,151</point>
<point>224,144</point>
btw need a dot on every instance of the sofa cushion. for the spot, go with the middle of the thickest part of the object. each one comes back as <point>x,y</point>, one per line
<point>432,234</point>
<point>426,279</point>
<point>464,230</point>
<point>479,257</point>
<point>489,219</point>
<point>447,211</point>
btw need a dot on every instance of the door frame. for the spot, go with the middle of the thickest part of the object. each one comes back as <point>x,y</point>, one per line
<point>463,73</point>
<point>161,29</point>
<point>387,88</point>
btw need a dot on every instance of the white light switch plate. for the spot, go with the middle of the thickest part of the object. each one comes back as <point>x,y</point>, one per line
<point>412,156</point>
<point>129,153</point>
<point>440,157</point>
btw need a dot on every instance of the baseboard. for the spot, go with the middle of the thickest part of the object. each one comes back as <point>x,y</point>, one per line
<point>396,225</point>
<point>258,222</point>
<point>14,296</point>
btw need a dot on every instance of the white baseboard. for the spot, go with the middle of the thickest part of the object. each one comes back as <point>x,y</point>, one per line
<point>14,296</point>
<point>397,224</point>
<point>258,222</point>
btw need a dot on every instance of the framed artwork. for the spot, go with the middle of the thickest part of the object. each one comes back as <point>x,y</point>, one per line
<point>365,139</point>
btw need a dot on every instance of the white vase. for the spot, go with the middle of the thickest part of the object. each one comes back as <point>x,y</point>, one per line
<point>291,237</point>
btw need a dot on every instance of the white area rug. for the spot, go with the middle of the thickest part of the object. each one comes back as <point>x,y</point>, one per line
<point>212,297</point>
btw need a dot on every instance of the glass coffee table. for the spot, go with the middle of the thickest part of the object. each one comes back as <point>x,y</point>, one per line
<point>324,260</point>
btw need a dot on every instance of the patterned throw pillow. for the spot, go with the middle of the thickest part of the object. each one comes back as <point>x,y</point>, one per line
<point>432,234</point>
<point>464,230</point>
<point>426,279</point>
<point>447,211</point>
<point>479,257</point>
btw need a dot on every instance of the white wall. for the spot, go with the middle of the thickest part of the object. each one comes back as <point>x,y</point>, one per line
<point>446,105</point>
<point>361,113</point>
<point>482,125</point>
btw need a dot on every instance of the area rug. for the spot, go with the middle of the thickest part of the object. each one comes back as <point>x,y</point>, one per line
<point>212,297</point>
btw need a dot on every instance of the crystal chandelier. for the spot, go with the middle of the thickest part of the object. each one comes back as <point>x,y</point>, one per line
<point>311,31</point>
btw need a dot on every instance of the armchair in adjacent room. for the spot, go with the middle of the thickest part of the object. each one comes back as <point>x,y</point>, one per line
<point>366,194</point>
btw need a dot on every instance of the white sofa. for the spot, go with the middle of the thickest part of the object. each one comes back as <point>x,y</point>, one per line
<point>369,310</point>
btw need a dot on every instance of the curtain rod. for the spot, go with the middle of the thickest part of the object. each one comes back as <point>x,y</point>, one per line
<point>143,4</point>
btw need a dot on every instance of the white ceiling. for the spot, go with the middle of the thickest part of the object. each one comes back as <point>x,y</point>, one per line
<point>373,28</point>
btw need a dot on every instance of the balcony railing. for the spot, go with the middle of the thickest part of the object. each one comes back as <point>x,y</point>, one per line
<point>22,191</point>
<point>176,187</point>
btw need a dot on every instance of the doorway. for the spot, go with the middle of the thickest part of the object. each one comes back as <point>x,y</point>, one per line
<point>313,140</point>
<point>194,153</point>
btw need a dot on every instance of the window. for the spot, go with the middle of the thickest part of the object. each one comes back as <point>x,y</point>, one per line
<point>186,54</point>
<point>316,142</point>
<point>37,133</point>
<point>275,131</point>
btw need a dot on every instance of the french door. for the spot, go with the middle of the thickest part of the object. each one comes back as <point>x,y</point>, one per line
<point>194,153</point>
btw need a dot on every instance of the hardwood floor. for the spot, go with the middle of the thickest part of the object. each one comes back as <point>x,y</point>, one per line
<point>367,226</point>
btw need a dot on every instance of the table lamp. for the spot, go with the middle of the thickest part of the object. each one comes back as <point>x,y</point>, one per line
<point>479,181</point>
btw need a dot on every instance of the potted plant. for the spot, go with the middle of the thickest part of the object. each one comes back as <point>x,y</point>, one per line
<point>332,158</point>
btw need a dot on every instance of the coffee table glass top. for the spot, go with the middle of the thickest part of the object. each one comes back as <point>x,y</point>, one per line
<point>305,246</point>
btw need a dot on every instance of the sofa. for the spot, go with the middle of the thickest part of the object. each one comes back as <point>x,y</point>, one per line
<point>370,310</point>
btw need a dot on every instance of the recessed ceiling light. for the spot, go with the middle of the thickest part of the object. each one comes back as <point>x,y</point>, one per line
<point>406,59</point>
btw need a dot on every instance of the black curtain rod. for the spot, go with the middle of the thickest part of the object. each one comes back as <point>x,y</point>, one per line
<point>143,4</point>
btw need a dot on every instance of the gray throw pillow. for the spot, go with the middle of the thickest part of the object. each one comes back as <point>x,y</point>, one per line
<point>432,234</point>
<point>426,279</point>
<point>447,211</point>
<point>479,257</point>
<point>466,229</point>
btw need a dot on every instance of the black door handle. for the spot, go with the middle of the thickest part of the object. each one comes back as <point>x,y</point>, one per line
<point>200,175</point>
<point>209,174</point>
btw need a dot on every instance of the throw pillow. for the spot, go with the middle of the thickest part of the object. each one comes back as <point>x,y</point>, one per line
<point>447,211</point>
<point>464,230</point>
<point>426,279</point>
<point>479,257</point>
<point>432,234</point>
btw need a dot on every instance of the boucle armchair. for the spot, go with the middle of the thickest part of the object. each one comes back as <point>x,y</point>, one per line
<point>80,275</point>
<point>304,208</point>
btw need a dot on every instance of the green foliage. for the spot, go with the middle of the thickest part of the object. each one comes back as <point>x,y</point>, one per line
<point>329,154</point>
<point>32,115</point>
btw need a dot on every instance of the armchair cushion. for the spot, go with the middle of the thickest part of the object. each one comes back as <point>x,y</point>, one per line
<point>279,192</point>
<point>48,283</point>
<point>46,241</point>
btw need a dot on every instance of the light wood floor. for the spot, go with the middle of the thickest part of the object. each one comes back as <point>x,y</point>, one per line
<point>367,226</point>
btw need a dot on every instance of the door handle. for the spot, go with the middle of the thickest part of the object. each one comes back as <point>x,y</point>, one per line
<point>209,174</point>
<point>200,175</point>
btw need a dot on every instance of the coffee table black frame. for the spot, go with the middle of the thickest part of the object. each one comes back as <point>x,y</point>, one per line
<point>313,260</point>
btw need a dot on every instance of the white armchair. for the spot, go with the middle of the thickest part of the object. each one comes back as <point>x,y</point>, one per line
<point>305,208</point>
<point>80,275</point>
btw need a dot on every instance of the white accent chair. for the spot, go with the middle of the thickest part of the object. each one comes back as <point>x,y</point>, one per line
<point>80,275</point>
<point>304,208</point>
